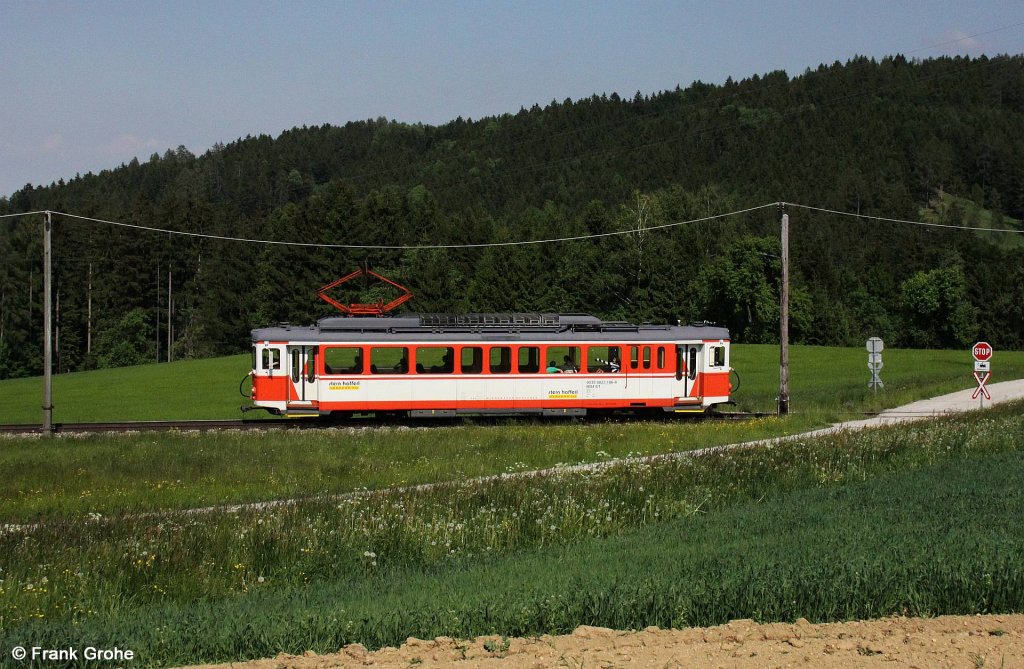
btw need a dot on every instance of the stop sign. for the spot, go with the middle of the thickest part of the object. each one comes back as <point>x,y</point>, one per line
<point>982,351</point>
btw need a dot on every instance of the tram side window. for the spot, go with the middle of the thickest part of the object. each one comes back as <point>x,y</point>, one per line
<point>718,356</point>
<point>647,357</point>
<point>501,359</point>
<point>472,360</point>
<point>661,357</point>
<point>311,365</point>
<point>435,360</point>
<point>389,360</point>
<point>566,358</point>
<point>692,363</point>
<point>271,358</point>
<point>296,366</point>
<point>343,360</point>
<point>603,359</point>
<point>634,357</point>
<point>529,359</point>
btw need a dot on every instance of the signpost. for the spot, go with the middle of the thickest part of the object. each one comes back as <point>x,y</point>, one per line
<point>982,352</point>
<point>875,347</point>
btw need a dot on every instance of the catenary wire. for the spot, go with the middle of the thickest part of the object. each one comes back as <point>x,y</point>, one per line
<point>400,247</point>
<point>900,220</point>
<point>616,233</point>
<point>23,213</point>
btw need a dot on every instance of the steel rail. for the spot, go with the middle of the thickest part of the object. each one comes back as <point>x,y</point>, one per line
<point>319,423</point>
<point>151,426</point>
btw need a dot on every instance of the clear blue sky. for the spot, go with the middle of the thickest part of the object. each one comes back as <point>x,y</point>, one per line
<point>85,86</point>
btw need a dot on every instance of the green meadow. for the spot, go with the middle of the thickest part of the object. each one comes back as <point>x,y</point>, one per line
<point>102,550</point>
<point>159,471</point>
<point>825,380</point>
<point>183,390</point>
<point>904,520</point>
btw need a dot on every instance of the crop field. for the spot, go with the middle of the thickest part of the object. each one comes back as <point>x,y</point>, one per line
<point>829,382</point>
<point>129,473</point>
<point>913,519</point>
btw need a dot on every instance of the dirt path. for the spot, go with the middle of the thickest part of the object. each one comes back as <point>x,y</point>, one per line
<point>948,641</point>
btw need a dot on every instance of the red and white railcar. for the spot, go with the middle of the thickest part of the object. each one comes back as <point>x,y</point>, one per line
<point>446,365</point>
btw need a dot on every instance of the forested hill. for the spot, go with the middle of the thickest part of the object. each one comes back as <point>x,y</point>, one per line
<point>939,140</point>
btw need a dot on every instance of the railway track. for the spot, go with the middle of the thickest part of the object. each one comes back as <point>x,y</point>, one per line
<point>313,423</point>
<point>152,426</point>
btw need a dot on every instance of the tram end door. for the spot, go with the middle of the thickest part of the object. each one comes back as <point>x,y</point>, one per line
<point>303,389</point>
<point>689,369</point>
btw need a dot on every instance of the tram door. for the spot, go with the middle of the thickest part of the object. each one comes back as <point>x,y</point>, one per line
<point>302,391</point>
<point>689,370</point>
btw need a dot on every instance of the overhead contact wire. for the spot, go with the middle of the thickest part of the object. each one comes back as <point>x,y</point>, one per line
<point>528,242</point>
<point>902,220</point>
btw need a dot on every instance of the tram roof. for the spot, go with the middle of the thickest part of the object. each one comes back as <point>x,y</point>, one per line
<point>484,327</point>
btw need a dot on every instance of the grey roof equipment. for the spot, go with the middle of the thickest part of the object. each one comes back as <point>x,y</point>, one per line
<point>484,327</point>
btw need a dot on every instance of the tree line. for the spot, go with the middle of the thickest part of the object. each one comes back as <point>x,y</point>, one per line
<point>936,139</point>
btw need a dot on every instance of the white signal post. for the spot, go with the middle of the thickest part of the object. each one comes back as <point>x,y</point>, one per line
<point>875,346</point>
<point>982,352</point>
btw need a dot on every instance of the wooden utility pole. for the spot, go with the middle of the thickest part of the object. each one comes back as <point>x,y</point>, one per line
<point>88,326</point>
<point>47,330</point>
<point>158,311</point>
<point>56,330</point>
<point>170,314</point>
<point>784,319</point>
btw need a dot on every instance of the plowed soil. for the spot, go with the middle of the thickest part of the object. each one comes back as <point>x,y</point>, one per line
<point>948,641</point>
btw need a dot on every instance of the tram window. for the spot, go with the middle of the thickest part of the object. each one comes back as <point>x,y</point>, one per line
<point>603,359</point>
<point>271,358</point>
<point>529,359</point>
<point>253,357</point>
<point>296,367</point>
<point>661,357</point>
<point>647,357</point>
<point>435,360</point>
<point>343,360</point>
<point>472,359</point>
<point>718,356</point>
<point>692,363</point>
<point>566,358</point>
<point>501,359</point>
<point>389,360</point>
<point>311,365</point>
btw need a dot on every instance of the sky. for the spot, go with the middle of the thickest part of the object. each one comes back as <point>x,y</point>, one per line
<point>87,86</point>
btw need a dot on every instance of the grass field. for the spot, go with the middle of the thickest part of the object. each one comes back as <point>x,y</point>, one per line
<point>829,381</point>
<point>913,519</point>
<point>154,471</point>
<point>160,471</point>
<point>909,519</point>
<point>188,389</point>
